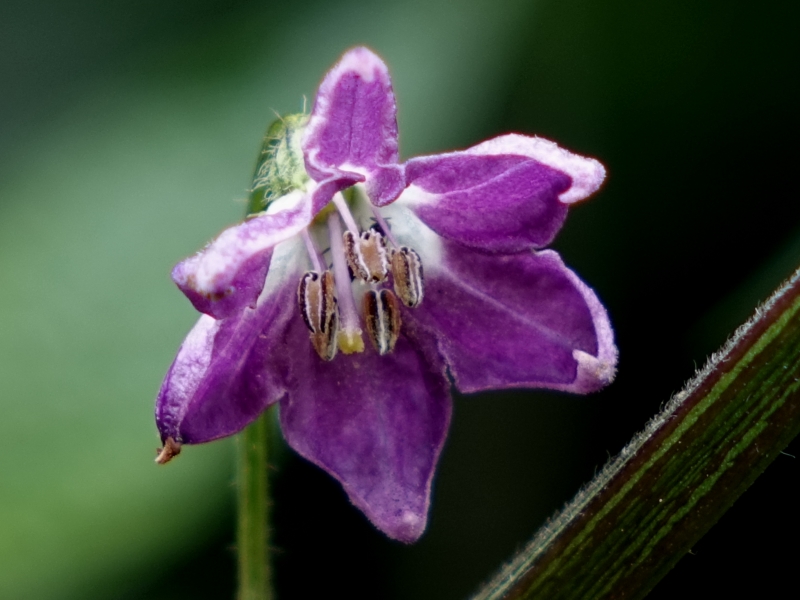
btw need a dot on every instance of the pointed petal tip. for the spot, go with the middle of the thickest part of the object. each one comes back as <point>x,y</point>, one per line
<point>404,523</point>
<point>407,527</point>
<point>594,373</point>
<point>170,450</point>
<point>376,424</point>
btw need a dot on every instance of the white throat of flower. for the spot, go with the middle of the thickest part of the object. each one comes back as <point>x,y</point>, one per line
<point>358,281</point>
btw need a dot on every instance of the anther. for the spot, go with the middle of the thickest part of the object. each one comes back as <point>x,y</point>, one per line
<point>316,296</point>
<point>382,318</point>
<point>367,255</point>
<point>407,276</point>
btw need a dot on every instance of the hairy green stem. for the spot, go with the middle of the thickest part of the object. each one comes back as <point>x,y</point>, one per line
<point>622,533</point>
<point>252,539</point>
<point>278,171</point>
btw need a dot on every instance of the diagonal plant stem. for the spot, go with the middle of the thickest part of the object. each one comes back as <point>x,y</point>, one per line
<point>630,525</point>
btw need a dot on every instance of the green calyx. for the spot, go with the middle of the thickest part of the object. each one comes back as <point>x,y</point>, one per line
<point>280,167</point>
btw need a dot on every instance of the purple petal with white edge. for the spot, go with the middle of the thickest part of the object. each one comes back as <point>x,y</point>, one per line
<point>352,132</point>
<point>522,320</point>
<point>326,189</point>
<point>496,203</point>
<point>504,195</point>
<point>376,423</point>
<point>228,274</point>
<point>226,371</point>
<point>587,174</point>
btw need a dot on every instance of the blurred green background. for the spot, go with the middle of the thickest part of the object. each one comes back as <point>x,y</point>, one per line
<point>128,132</point>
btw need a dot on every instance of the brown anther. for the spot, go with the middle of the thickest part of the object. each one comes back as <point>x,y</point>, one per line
<point>382,318</point>
<point>367,255</point>
<point>316,296</point>
<point>407,275</point>
<point>170,450</point>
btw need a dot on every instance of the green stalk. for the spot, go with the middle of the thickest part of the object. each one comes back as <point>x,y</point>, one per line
<point>252,540</point>
<point>623,532</point>
<point>279,170</point>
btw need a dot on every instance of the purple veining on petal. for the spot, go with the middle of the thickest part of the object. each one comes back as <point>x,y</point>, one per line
<point>228,274</point>
<point>353,127</point>
<point>224,375</point>
<point>500,203</point>
<point>377,424</point>
<point>587,174</point>
<point>521,320</point>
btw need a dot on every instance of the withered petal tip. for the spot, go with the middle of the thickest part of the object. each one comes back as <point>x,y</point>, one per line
<point>170,450</point>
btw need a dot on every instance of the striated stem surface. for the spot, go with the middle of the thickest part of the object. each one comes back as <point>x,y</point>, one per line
<point>252,536</point>
<point>622,533</point>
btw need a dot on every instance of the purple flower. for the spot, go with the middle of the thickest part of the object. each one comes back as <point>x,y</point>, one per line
<point>437,262</point>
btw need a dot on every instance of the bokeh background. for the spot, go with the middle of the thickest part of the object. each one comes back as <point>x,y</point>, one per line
<point>128,133</point>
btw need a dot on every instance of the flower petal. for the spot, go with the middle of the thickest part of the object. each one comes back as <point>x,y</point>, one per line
<point>228,274</point>
<point>522,320</point>
<point>376,423</point>
<point>504,195</point>
<point>352,134</point>
<point>587,174</point>
<point>227,371</point>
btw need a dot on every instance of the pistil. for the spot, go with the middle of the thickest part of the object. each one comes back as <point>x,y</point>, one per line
<point>341,205</point>
<point>349,337</point>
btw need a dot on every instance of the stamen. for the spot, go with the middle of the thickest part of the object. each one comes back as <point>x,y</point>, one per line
<point>349,337</point>
<point>317,299</point>
<point>407,276</point>
<point>367,255</point>
<point>341,205</point>
<point>384,225</point>
<point>382,317</point>
<point>313,253</point>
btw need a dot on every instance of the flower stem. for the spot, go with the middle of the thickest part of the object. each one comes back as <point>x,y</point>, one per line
<point>255,581</point>
<point>675,479</point>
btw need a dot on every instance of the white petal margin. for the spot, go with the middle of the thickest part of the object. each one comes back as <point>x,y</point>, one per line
<point>213,269</point>
<point>361,61</point>
<point>587,174</point>
<point>186,373</point>
<point>594,372</point>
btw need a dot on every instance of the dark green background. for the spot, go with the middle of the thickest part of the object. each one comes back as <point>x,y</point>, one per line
<point>128,131</point>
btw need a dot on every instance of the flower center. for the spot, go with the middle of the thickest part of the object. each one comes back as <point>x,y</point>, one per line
<point>363,262</point>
